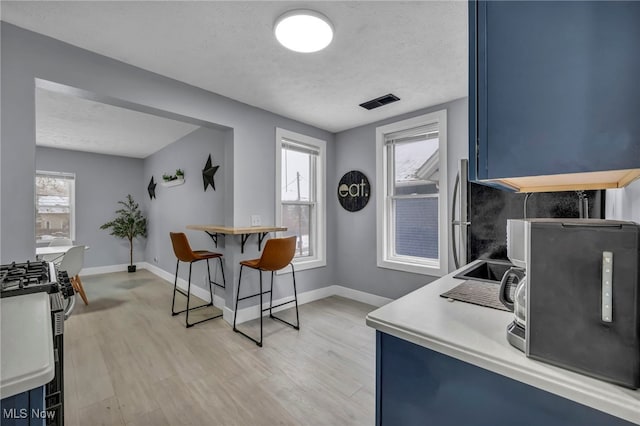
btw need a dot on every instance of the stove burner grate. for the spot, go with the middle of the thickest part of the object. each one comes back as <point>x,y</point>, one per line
<point>22,275</point>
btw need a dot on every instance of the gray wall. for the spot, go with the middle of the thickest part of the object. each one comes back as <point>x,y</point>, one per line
<point>27,55</point>
<point>101,181</point>
<point>356,232</point>
<point>175,207</point>
<point>249,182</point>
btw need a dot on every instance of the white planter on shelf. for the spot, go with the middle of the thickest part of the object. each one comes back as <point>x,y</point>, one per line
<point>174,182</point>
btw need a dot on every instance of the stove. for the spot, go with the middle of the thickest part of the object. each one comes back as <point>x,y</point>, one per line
<point>27,277</point>
<point>31,277</point>
<point>18,279</point>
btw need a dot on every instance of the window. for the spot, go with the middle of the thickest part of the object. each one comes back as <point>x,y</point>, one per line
<point>412,195</point>
<point>300,194</point>
<point>55,205</point>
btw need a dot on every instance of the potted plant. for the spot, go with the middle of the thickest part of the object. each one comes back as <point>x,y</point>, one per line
<point>168,178</point>
<point>179,174</point>
<point>129,223</point>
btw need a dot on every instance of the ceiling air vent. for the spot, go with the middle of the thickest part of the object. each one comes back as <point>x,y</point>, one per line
<point>378,102</point>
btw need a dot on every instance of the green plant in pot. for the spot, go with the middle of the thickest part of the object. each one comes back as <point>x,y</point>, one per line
<point>130,224</point>
<point>180,174</point>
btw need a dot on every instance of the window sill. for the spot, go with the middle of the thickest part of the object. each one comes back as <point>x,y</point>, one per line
<point>303,265</point>
<point>411,267</point>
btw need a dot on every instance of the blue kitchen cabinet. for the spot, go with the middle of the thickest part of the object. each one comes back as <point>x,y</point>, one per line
<point>418,386</point>
<point>24,409</point>
<point>554,87</point>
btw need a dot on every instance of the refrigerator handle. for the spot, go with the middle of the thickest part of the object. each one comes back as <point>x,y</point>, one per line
<point>460,191</point>
<point>454,247</point>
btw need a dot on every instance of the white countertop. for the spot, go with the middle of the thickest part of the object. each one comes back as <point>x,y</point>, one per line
<point>477,335</point>
<point>26,343</point>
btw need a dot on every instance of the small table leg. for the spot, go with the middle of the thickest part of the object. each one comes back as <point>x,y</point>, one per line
<point>261,237</point>
<point>214,237</point>
<point>243,238</point>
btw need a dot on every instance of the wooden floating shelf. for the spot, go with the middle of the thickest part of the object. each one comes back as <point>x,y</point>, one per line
<point>171,183</point>
<point>572,181</point>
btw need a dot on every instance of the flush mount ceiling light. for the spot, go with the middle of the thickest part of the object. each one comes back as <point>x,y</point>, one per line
<point>303,31</point>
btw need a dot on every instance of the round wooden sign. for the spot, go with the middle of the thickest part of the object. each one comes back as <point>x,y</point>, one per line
<point>353,191</point>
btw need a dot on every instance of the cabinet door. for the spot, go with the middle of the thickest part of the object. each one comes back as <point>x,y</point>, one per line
<point>416,386</point>
<point>558,87</point>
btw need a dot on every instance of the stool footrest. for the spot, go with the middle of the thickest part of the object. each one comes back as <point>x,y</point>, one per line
<point>297,327</point>
<point>182,292</point>
<point>278,305</point>
<point>248,337</point>
<point>254,295</point>
<point>192,309</point>
<point>218,284</point>
<point>191,324</point>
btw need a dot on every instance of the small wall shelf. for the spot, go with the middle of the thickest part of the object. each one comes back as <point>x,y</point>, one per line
<point>171,183</point>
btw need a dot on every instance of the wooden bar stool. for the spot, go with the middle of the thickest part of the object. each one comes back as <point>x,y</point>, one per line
<point>277,254</point>
<point>183,253</point>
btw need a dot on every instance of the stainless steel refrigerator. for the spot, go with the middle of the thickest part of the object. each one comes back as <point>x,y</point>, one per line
<point>479,214</point>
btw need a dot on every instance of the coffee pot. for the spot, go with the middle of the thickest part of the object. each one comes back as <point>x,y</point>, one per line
<point>513,287</point>
<point>513,294</point>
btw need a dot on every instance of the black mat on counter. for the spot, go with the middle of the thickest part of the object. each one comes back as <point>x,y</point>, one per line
<point>478,293</point>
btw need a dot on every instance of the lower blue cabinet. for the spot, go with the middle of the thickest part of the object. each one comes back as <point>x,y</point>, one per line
<point>24,409</point>
<point>418,386</point>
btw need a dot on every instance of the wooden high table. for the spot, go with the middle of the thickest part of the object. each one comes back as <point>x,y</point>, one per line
<point>214,230</point>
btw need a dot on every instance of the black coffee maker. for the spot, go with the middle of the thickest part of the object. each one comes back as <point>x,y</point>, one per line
<point>582,295</point>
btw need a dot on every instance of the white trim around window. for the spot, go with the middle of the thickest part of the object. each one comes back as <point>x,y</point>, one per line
<point>317,198</point>
<point>71,204</point>
<point>386,256</point>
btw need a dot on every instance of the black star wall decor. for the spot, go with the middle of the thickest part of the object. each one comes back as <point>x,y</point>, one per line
<point>152,189</point>
<point>208,173</point>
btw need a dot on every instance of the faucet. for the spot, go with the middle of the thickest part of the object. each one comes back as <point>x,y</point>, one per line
<point>583,205</point>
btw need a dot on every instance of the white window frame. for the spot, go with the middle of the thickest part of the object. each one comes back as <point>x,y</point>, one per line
<point>385,234</point>
<point>320,257</point>
<point>72,202</point>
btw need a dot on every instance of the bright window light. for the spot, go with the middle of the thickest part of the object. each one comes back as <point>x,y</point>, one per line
<point>303,31</point>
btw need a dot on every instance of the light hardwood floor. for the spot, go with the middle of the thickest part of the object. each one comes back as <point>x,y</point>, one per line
<point>128,361</point>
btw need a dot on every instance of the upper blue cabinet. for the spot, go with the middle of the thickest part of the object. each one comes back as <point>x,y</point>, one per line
<point>554,94</point>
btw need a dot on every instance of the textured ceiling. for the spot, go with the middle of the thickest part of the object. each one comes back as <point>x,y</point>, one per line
<point>68,122</point>
<point>416,50</point>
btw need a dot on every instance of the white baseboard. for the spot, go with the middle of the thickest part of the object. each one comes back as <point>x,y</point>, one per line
<point>251,312</point>
<point>182,284</point>
<point>96,270</point>
<point>227,315</point>
<point>360,296</point>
